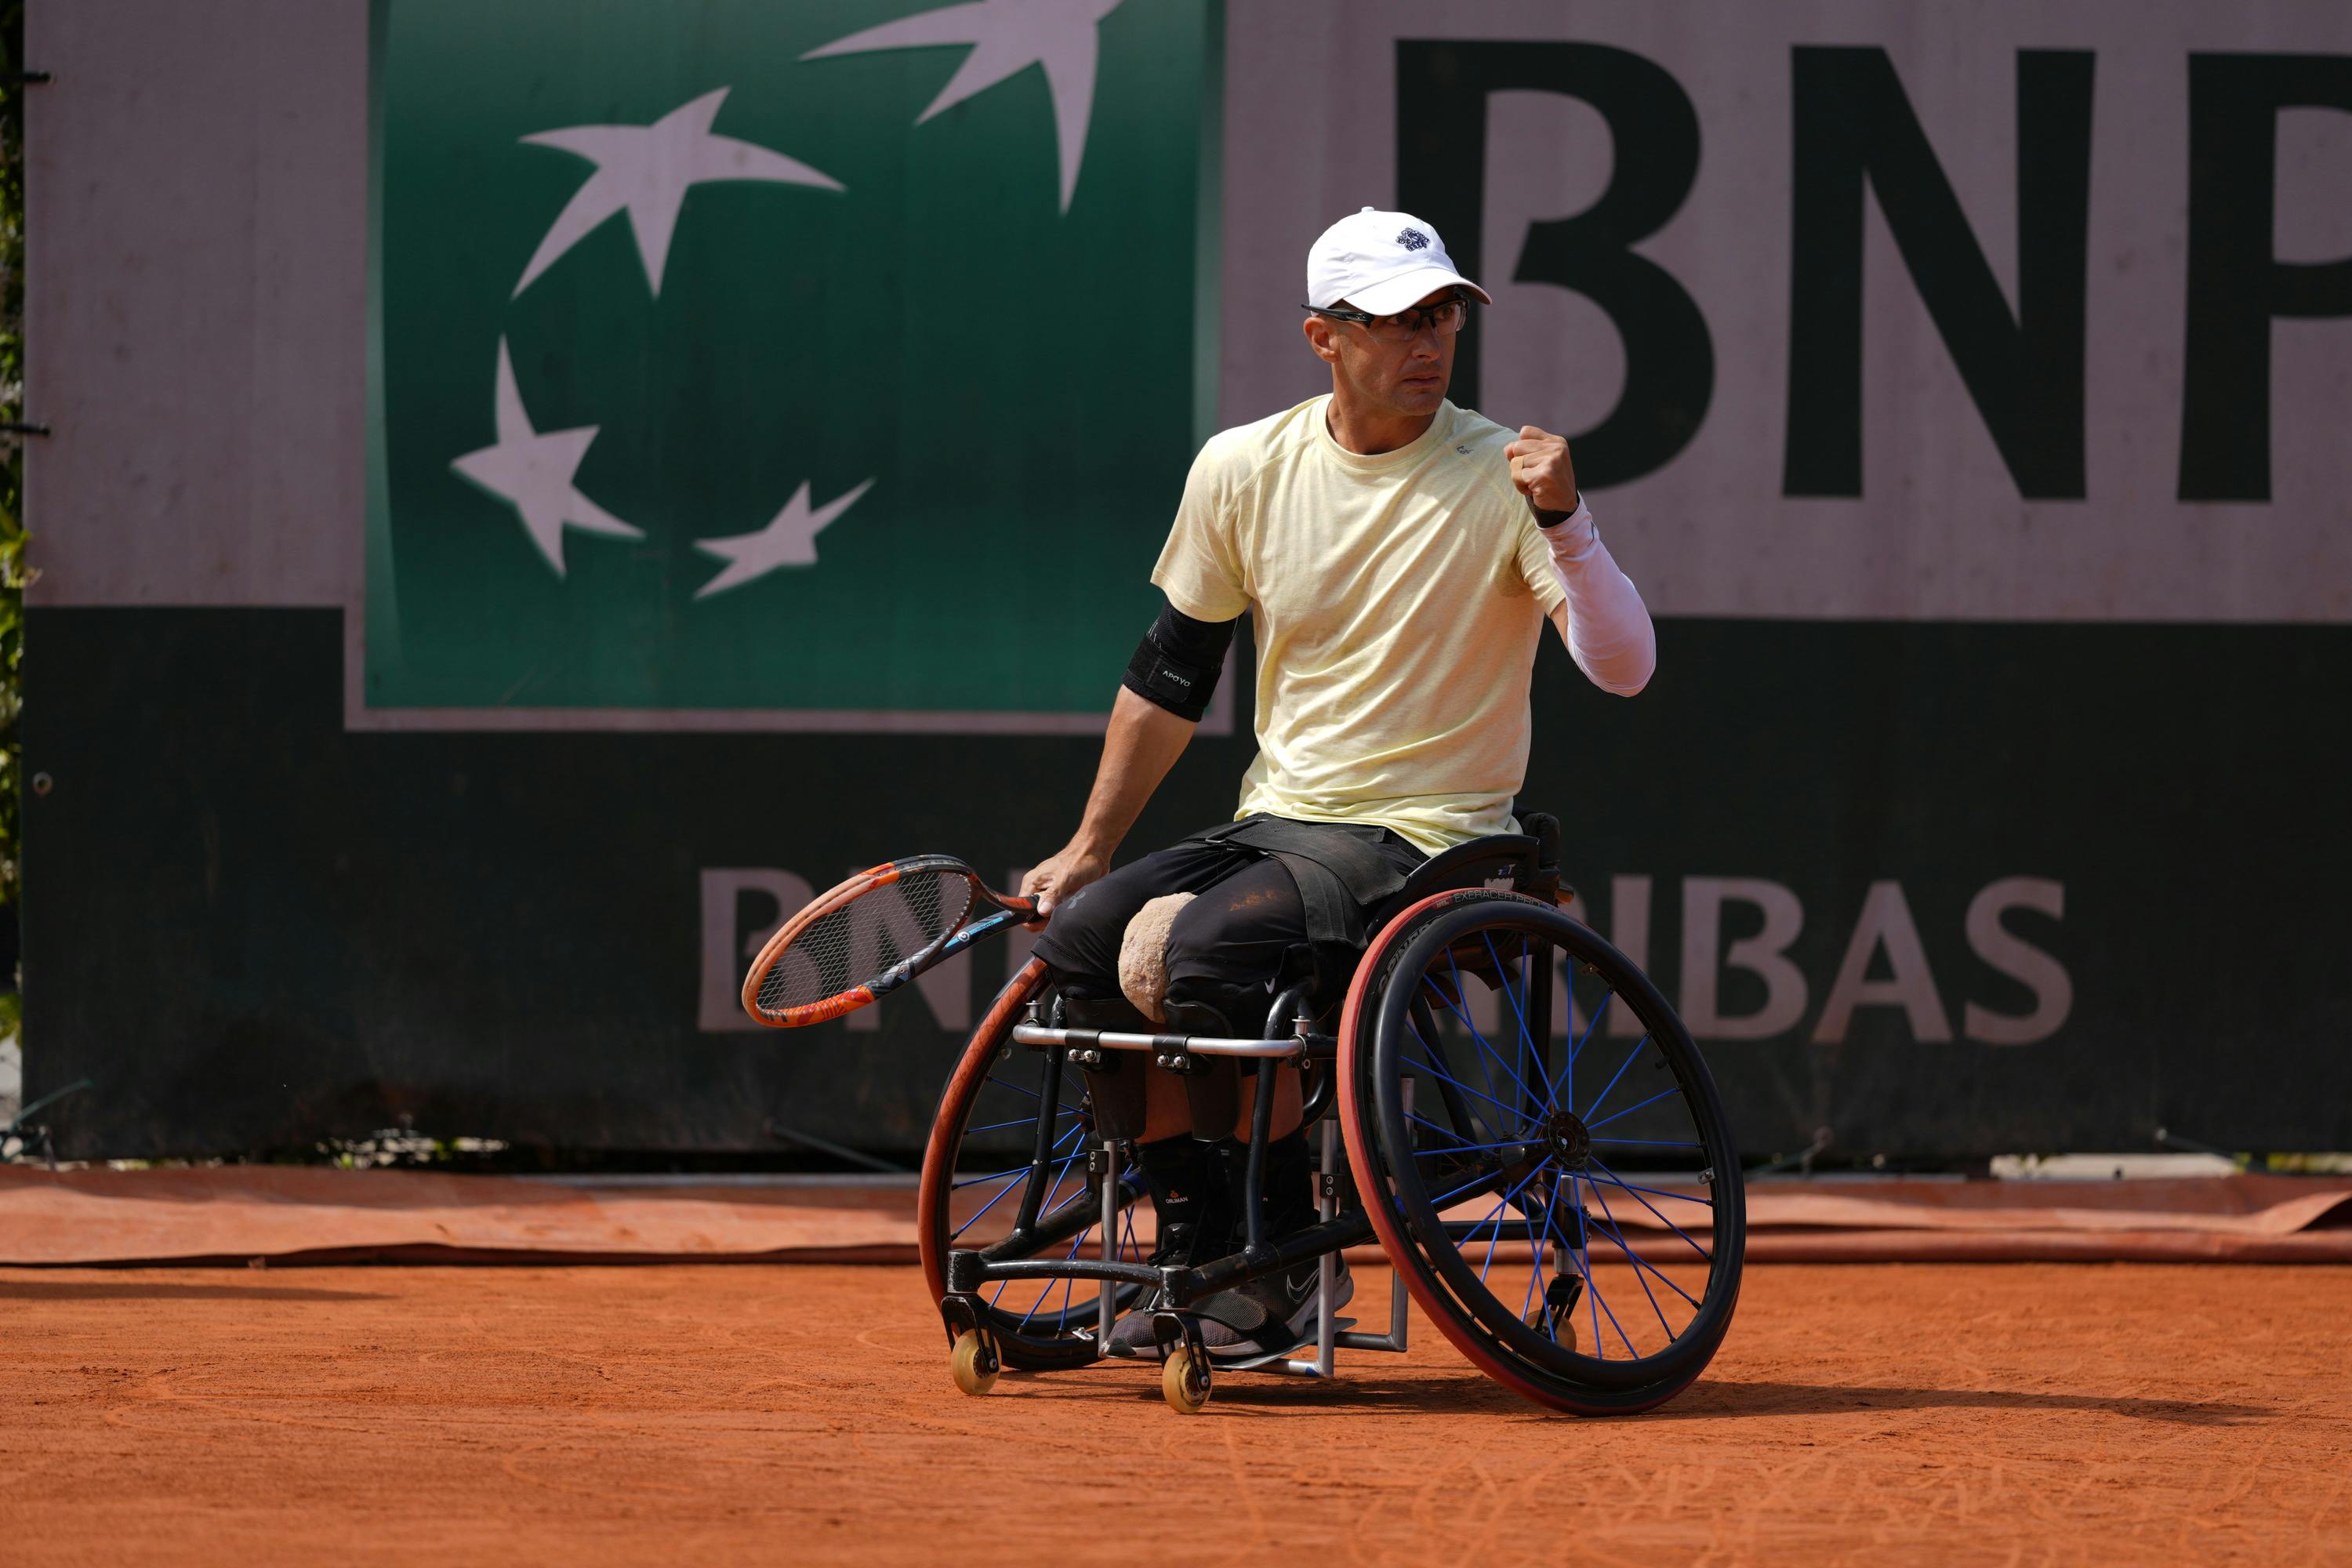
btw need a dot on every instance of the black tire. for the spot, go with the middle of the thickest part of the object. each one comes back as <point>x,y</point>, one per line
<point>1508,1138</point>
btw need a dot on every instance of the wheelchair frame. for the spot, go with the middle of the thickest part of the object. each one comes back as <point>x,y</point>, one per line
<point>1180,1286</point>
<point>1528,867</point>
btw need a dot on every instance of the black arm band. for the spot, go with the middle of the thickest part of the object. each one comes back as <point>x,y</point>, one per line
<point>1177,664</point>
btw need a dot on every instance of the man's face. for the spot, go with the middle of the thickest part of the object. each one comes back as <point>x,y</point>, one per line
<point>1386,370</point>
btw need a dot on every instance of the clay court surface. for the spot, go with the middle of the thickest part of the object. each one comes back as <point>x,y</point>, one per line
<point>1945,1413</point>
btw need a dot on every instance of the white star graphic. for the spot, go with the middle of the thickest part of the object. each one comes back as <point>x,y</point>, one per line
<point>647,169</point>
<point>1007,35</point>
<point>789,540</point>
<point>532,469</point>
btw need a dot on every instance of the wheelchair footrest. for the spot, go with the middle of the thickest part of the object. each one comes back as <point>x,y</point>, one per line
<point>1263,1357</point>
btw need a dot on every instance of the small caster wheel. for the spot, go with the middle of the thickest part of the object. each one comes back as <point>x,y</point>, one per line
<point>975,1363</point>
<point>1564,1336</point>
<point>1184,1382</point>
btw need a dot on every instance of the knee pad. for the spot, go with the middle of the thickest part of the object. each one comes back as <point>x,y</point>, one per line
<point>1143,954</point>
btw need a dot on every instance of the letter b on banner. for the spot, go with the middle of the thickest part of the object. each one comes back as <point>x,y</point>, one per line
<point>1764,955</point>
<point>1441,93</point>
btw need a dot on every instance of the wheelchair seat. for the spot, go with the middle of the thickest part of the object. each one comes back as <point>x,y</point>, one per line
<point>1519,862</point>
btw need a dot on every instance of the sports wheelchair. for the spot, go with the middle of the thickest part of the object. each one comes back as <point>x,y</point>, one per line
<point>1530,1136</point>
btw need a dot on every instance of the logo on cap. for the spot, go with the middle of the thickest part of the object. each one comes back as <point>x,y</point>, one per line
<point>1414,239</point>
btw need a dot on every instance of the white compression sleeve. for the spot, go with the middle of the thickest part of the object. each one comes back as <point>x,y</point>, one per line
<point>1603,622</point>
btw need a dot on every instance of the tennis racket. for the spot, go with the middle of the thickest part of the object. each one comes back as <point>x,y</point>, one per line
<point>871,935</point>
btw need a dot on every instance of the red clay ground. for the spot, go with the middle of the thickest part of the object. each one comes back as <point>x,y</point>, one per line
<point>1937,1413</point>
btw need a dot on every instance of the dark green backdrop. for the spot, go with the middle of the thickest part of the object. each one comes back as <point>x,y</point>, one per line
<point>253,928</point>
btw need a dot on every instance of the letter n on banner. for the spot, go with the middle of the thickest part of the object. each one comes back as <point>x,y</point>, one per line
<point>730,942</point>
<point>2024,372</point>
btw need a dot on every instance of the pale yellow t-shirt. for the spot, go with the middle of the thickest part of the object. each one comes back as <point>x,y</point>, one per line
<point>1398,600</point>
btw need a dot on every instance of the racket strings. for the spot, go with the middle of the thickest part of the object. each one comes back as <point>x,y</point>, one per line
<point>866,938</point>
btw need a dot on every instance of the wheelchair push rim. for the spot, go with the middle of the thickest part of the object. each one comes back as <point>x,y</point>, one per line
<point>1519,1194</point>
<point>981,1171</point>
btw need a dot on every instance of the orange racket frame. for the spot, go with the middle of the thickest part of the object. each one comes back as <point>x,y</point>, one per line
<point>1009,909</point>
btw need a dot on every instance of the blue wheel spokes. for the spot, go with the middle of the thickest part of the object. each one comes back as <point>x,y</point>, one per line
<point>1433,1127</point>
<point>1629,1110</point>
<point>1462,1014</point>
<point>1481,1177</point>
<point>1437,1065</point>
<point>1444,1077</point>
<point>1472,1235</point>
<point>991,1204</point>
<point>1584,1262</point>
<point>1527,987</point>
<point>1617,1074</point>
<point>1016,1173</point>
<point>1661,1193</point>
<point>1704,1254</point>
<point>1502,1204</point>
<point>1638,1260</point>
<point>1060,1176</point>
<point>1064,1171</point>
<point>1483,1050</point>
<point>1635,1257</point>
<point>1048,1293</point>
<point>1534,1259</point>
<point>1525,1041</point>
<point>1591,1024</point>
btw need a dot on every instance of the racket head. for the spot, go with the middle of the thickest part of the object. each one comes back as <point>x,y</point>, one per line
<point>828,959</point>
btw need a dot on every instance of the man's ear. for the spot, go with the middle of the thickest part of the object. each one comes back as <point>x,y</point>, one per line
<point>1318,338</point>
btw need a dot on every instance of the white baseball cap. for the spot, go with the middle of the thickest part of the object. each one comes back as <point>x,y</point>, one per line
<point>1381,263</point>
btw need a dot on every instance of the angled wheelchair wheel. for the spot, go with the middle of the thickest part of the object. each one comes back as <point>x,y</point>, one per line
<point>1005,1175</point>
<point>1541,1152</point>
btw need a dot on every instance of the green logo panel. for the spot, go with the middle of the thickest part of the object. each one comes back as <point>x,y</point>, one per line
<point>835,358</point>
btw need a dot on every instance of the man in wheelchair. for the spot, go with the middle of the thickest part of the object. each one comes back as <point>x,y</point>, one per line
<point>1399,555</point>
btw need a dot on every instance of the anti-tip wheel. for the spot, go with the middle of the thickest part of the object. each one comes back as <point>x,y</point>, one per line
<point>1183,1383</point>
<point>1565,1338</point>
<point>974,1364</point>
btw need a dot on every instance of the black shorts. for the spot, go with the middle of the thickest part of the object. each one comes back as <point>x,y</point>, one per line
<point>1227,946</point>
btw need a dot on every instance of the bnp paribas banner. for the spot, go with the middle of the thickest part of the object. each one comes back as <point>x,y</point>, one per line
<point>793,360</point>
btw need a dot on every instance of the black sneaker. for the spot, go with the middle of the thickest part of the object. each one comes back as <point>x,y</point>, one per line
<point>1270,1315</point>
<point>1265,1317</point>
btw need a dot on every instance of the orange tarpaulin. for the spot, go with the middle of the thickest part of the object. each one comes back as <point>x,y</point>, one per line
<point>237,1213</point>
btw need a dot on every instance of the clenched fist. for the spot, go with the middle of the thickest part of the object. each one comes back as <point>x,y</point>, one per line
<point>1541,469</point>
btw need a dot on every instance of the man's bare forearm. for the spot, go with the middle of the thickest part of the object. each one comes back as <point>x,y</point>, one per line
<point>1142,744</point>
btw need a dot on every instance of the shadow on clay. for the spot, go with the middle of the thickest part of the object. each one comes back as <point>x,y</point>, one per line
<point>1705,1401</point>
<point>1709,1399</point>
